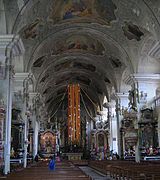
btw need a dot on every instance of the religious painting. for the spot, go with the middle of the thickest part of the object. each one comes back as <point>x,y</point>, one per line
<point>100,11</point>
<point>31,30</point>
<point>101,140</point>
<point>147,136</point>
<point>105,9</point>
<point>76,8</point>
<point>78,43</point>
<point>48,142</point>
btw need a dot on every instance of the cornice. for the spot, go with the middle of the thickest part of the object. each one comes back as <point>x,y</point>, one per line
<point>142,77</point>
<point>149,78</point>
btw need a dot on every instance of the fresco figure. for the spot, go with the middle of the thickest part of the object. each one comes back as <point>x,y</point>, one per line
<point>75,8</point>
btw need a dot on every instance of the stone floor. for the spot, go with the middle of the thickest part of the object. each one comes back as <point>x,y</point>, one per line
<point>64,171</point>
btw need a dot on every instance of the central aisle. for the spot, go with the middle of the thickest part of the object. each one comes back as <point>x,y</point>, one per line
<point>64,171</point>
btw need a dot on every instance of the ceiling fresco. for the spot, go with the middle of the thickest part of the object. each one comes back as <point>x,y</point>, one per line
<point>82,43</point>
<point>31,31</point>
<point>83,9</point>
<point>91,42</point>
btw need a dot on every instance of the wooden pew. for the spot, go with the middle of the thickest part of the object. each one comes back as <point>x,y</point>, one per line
<point>128,170</point>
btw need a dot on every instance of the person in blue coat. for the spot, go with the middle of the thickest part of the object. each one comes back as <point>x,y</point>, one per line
<point>52,164</point>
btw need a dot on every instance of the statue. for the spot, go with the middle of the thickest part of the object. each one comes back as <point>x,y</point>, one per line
<point>133,99</point>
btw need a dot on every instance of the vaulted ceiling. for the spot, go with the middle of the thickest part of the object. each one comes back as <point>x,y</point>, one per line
<point>96,43</point>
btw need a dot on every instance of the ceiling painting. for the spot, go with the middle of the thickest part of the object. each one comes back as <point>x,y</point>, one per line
<point>81,43</point>
<point>31,30</point>
<point>88,10</point>
<point>76,8</point>
<point>105,9</point>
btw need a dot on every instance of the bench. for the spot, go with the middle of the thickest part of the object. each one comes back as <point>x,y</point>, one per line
<point>128,169</point>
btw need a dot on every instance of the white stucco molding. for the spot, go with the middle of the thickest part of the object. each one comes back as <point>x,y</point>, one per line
<point>20,76</point>
<point>155,50</point>
<point>33,95</point>
<point>129,80</point>
<point>5,40</point>
<point>122,95</point>
<point>143,78</point>
<point>146,77</point>
<point>12,43</point>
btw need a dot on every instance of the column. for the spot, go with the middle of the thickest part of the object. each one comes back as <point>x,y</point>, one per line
<point>33,99</point>
<point>159,126</point>
<point>118,126</point>
<point>8,52</point>
<point>18,87</point>
<point>2,117</point>
<point>25,142</point>
<point>35,138</point>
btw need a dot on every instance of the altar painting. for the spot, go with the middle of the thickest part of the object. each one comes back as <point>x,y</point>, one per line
<point>48,142</point>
